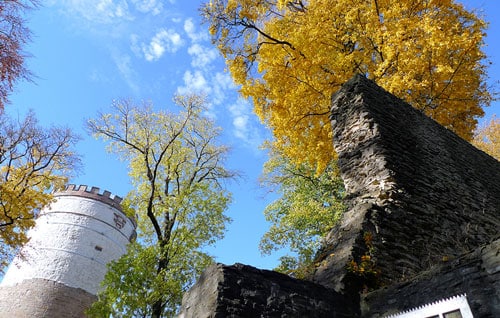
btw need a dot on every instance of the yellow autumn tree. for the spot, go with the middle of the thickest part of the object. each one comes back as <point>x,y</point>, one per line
<point>487,137</point>
<point>290,56</point>
<point>33,162</point>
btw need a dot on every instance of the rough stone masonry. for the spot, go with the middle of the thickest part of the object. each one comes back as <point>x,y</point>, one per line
<point>420,191</point>
<point>423,209</point>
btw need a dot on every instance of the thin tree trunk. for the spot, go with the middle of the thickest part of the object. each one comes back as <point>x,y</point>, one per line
<point>159,304</point>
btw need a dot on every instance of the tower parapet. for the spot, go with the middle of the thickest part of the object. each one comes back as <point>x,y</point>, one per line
<point>92,193</point>
<point>65,259</point>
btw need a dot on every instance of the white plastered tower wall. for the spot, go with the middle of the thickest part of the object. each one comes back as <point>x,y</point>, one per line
<point>58,272</point>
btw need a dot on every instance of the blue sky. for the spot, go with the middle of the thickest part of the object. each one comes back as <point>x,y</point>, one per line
<point>88,52</point>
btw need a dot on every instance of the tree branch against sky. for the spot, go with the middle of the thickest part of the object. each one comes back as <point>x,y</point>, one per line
<point>14,35</point>
<point>289,57</point>
<point>33,162</point>
<point>176,166</point>
<point>307,207</point>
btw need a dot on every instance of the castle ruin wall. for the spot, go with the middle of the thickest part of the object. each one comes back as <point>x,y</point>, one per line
<point>423,207</point>
<point>417,190</point>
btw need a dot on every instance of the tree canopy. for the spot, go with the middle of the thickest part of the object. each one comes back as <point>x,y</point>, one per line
<point>290,56</point>
<point>308,207</point>
<point>176,166</point>
<point>33,162</point>
<point>487,137</point>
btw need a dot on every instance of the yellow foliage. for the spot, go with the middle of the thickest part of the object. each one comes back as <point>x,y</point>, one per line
<point>487,138</point>
<point>22,195</point>
<point>290,56</point>
<point>33,162</point>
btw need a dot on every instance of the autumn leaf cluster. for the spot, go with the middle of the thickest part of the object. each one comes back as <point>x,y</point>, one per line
<point>290,56</point>
<point>487,137</point>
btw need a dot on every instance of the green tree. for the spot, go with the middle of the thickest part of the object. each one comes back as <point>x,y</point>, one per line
<point>307,208</point>
<point>290,56</point>
<point>176,166</point>
<point>33,162</point>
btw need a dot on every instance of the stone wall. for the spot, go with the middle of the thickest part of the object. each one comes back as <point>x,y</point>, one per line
<point>243,291</point>
<point>43,298</point>
<point>417,190</point>
<point>476,274</point>
<point>423,209</point>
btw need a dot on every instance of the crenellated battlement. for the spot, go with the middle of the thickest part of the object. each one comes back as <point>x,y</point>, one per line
<point>92,193</point>
<point>59,271</point>
<point>95,193</point>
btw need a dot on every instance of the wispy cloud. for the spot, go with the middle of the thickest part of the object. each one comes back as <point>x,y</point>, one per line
<point>204,59</point>
<point>165,40</point>
<point>123,63</point>
<point>223,85</point>
<point>109,11</point>
<point>153,7</point>
<point>193,33</point>
<point>194,82</point>
<point>133,31</point>
<point>220,89</point>
<point>96,12</point>
<point>245,126</point>
<point>202,56</point>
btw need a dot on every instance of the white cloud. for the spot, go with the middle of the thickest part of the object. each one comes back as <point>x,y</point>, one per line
<point>240,124</point>
<point>222,84</point>
<point>192,33</point>
<point>113,10</point>
<point>97,11</point>
<point>165,40</point>
<point>201,56</point>
<point>194,82</point>
<point>148,6</point>
<point>135,45</point>
<point>245,125</point>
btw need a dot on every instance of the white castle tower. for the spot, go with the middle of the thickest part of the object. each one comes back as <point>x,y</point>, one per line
<point>58,272</point>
